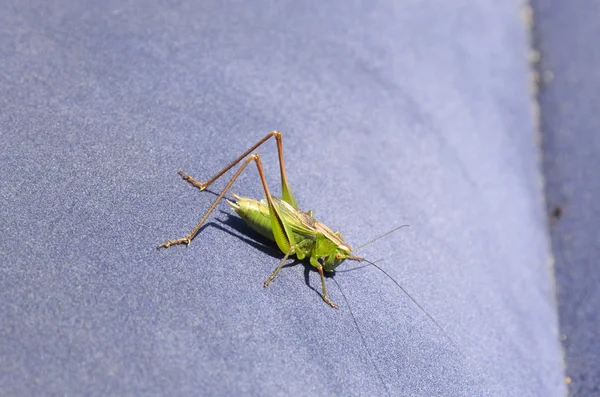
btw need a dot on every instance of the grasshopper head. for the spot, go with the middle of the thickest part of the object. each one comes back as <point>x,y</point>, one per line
<point>340,254</point>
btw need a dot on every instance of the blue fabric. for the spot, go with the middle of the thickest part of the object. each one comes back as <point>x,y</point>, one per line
<point>567,37</point>
<point>392,112</point>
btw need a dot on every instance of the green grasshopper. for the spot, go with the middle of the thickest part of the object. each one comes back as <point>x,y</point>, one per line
<point>279,219</point>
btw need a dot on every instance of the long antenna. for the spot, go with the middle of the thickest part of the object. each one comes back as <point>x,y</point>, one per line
<point>382,236</point>
<point>414,301</point>
<point>362,337</point>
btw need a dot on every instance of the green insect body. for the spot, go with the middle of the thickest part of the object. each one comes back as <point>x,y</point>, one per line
<point>295,232</point>
<point>314,240</point>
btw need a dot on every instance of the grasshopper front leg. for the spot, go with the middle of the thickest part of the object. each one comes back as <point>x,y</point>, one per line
<point>315,263</point>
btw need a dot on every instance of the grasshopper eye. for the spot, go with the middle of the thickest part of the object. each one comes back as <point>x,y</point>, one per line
<point>338,256</point>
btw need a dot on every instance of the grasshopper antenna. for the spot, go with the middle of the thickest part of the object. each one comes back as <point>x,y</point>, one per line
<point>382,236</point>
<point>411,298</point>
<point>362,337</point>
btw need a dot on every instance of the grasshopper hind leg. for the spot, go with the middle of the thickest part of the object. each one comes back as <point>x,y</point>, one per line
<point>246,157</point>
<point>187,239</point>
<point>282,236</point>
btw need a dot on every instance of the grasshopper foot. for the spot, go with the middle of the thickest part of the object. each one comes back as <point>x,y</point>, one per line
<point>169,243</point>
<point>330,303</point>
<point>191,180</point>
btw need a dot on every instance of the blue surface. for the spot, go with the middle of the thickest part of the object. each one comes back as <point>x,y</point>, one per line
<point>392,112</point>
<point>567,37</point>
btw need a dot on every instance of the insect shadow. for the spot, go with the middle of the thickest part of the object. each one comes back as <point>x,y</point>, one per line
<point>244,232</point>
<point>249,236</point>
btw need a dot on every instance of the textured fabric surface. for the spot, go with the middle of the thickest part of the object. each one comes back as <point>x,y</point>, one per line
<point>567,38</point>
<point>393,113</point>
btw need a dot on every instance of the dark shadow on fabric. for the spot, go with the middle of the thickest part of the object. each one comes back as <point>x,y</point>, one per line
<point>246,234</point>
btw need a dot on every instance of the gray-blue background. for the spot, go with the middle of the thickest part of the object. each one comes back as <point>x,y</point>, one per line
<point>567,38</point>
<point>393,112</point>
